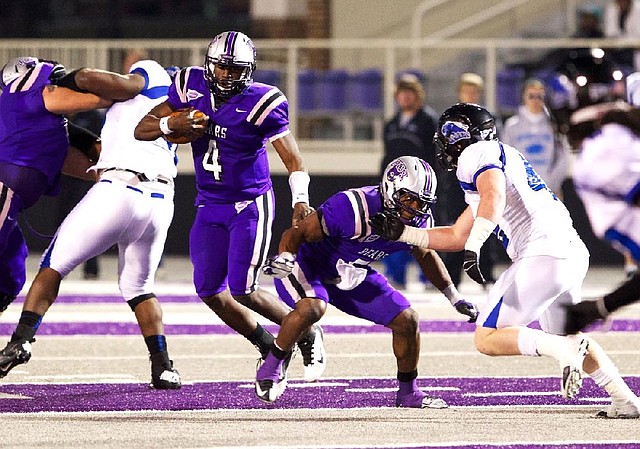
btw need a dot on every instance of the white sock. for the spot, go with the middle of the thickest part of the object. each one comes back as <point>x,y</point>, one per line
<point>527,341</point>
<point>608,378</point>
<point>534,342</point>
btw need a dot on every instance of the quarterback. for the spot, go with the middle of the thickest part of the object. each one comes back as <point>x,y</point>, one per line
<point>235,202</point>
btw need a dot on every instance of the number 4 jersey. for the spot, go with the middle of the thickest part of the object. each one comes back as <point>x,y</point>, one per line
<point>230,160</point>
<point>534,222</point>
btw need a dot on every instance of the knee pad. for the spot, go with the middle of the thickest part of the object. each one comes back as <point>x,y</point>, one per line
<point>133,302</point>
<point>5,300</point>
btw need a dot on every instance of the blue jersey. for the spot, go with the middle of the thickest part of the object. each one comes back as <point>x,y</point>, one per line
<point>347,234</point>
<point>230,160</point>
<point>31,136</point>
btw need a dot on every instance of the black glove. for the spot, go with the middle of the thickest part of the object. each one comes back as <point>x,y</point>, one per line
<point>467,308</point>
<point>387,225</point>
<point>471,266</point>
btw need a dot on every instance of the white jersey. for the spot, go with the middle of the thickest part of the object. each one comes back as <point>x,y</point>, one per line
<point>607,178</point>
<point>534,222</point>
<point>124,208</point>
<point>119,149</point>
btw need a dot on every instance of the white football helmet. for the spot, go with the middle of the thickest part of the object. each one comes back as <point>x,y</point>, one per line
<point>230,49</point>
<point>409,177</point>
<point>15,68</point>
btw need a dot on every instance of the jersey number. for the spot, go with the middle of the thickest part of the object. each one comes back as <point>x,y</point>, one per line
<point>210,161</point>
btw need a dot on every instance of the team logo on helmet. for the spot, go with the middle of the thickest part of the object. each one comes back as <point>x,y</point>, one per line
<point>455,132</point>
<point>397,171</point>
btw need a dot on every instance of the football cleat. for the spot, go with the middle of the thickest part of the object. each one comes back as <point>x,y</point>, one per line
<point>15,353</point>
<point>571,364</point>
<point>270,384</point>
<point>165,378</point>
<point>420,399</point>
<point>624,410</point>
<point>314,357</point>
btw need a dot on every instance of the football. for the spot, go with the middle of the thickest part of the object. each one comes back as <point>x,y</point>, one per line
<point>191,135</point>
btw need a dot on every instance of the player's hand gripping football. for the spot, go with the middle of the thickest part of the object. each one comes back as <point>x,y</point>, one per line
<point>467,308</point>
<point>471,266</point>
<point>280,266</point>
<point>186,125</point>
<point>387,225</point>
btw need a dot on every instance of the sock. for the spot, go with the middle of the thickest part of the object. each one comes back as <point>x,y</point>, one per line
<point>607,377</point>
<point>262,339</point>
<point>527,341</point>
<point>533,342</point>
<point>27,326</point>
<point>157,346</point>
<point>623,295</point>
<point>278,353</point>
<point>270,368</point>
<point>156,343</point>
<point>407,382</point>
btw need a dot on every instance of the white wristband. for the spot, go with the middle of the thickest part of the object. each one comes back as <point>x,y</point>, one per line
<point>452,294</point>
<point>481,230</point>
<point>415,236</point>
<point>299,184</point>
<point>164,125</point>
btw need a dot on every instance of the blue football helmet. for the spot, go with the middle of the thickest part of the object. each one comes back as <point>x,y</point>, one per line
<point>405,180</point>
<point>233,50</point>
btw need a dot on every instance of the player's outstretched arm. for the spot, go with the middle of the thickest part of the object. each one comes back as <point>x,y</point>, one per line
<point>60,100</point>
<point>109,85</point>
<point>307,230</point>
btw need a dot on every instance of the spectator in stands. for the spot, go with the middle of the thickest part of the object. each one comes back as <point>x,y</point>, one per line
<point>409,133</point>
<point>589,23</point>
<point>533,132</point>
<point>622,20</point>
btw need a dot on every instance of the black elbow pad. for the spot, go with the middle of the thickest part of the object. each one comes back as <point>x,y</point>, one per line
<point>69,81</point>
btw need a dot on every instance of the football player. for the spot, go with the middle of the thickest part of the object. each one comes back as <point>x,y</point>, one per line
<point>326,258</point>
<point>607,177</point>
<point>507,197</point>
<point>235,203</point>
<point>133,201</point>
<point>35,145</point>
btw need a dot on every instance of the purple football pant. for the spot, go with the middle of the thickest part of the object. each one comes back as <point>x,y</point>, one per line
<point>373,300</point>
<point>229,244</point>
<point>13,248</point>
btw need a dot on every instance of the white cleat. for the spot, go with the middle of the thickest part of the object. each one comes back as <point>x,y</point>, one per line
<point>624,410</point>
<point>314,357</point>
<point>571,365</point>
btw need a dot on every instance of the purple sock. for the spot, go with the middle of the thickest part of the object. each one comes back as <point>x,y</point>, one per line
<point>407,387</point>
<point>270,369</point>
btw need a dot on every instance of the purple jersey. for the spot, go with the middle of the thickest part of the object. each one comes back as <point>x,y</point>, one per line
<point>345,222</point>
<point>31,136</point>
<point>230,160</point>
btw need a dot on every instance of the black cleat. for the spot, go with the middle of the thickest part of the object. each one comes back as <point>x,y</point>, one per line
<point>15,353</point>
<point>165,378</point>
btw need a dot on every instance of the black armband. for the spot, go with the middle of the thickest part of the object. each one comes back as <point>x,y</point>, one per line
<point>84,140</point>
<point>69,81</point>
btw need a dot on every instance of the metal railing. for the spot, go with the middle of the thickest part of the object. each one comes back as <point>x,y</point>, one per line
<point>289,57</point>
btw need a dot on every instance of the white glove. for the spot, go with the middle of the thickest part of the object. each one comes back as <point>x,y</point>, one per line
<point>280,266</point>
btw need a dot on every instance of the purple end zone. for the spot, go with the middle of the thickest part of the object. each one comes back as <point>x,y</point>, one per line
<point>336,394</point>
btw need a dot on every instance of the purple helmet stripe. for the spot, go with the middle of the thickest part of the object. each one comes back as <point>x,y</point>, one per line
<point>230,42</point>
